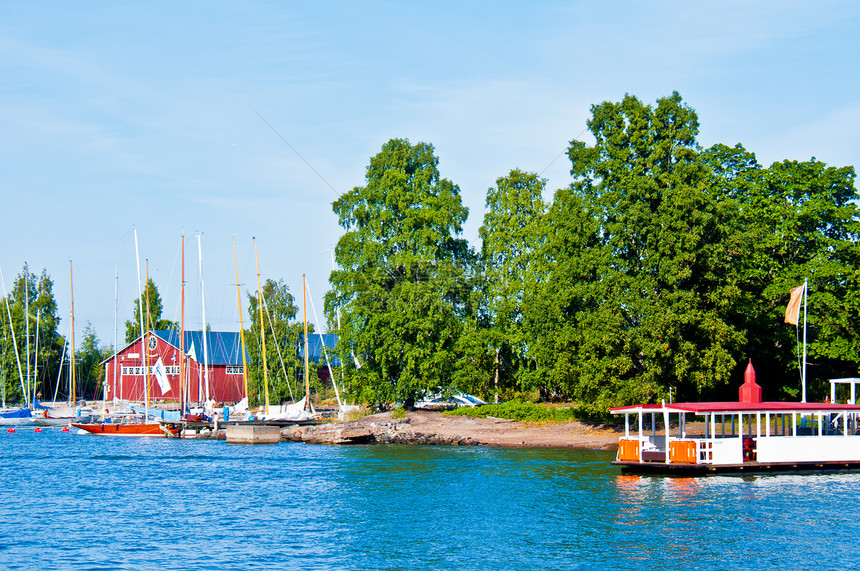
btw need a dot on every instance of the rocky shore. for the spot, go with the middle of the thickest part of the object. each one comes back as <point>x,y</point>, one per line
<point>425,427</point>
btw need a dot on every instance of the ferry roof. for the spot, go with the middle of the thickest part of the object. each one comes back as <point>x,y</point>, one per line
<point>738,407</point>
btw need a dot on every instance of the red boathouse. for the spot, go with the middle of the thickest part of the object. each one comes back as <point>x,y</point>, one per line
<point>214,370</point>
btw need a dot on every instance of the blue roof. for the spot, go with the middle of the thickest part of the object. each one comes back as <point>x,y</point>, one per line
<point>315,348</point>
<point>223,347</point>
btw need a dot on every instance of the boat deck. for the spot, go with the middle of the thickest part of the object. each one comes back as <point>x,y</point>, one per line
<point>745,468</point>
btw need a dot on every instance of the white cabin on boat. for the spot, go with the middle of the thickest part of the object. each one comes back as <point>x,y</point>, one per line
<point>748,435</point>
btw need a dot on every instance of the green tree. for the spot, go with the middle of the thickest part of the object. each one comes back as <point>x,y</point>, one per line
<point>511,234</point>
<point>282,336</point>
<point>402,285</point>
<point>89,372</point>
<point>637,296</point>
<point>34,294</point>
<point>800,220</point>
<point>152,309</point>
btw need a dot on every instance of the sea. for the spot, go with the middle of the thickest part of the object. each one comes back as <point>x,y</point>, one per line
<point>85,502</point>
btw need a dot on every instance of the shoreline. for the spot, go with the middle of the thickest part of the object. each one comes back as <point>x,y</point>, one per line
<point>435,428</point>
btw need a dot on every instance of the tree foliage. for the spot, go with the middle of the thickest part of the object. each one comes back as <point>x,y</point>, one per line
<point>402,284</point>
<point>152,310</point>
<point>35,295</point>
<point>282,336</point>
<point>511,234</point>
<point>89,372</point>
<point>659,271</point>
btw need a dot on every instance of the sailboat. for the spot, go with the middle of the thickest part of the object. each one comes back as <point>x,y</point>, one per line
<point>135,425</point>
<point>58,416</point>
<point>302,410</point>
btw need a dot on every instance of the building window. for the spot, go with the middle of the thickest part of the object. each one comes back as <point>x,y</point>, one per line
<point>134,371</point>
<point>234,369</point>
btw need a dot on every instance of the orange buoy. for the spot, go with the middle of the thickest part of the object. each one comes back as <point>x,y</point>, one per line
<point>38,429</point>
<point>65,429</point>
<point>11,430</point>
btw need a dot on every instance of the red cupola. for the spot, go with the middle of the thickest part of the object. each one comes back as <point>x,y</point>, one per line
<point>749,391</point>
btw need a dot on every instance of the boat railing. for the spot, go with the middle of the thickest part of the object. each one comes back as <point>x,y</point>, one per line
<point>682,450</point>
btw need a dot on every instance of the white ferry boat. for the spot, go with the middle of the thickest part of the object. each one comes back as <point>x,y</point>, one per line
<point>744,436</point>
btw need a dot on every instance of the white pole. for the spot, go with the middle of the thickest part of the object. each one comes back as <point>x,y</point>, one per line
<point>805,303</point>
<point>115,331</point>
<point>205,334</point>
<point>143,346</point>
<point>666,426</point>
<point>27,326</point>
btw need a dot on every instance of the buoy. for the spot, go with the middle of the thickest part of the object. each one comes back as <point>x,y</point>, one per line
<point>38,429</point>
<point>11,430</point>
<point>65,429</point>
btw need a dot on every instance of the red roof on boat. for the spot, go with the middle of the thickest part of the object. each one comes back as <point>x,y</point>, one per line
<point>729,407</point>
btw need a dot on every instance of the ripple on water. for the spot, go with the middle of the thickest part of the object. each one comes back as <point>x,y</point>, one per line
<point>85,502</point>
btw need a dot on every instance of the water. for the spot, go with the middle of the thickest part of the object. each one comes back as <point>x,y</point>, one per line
<point>87,502</point>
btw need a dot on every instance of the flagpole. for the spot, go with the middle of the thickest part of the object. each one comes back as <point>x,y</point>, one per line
<point>805,303</point>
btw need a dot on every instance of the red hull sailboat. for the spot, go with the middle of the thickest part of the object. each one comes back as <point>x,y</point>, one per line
<point>128,428</point>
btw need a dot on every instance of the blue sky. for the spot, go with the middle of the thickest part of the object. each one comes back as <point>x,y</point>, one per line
<point>147,115</point>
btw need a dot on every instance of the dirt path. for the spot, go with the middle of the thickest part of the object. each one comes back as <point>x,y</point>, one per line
<point>424,427</point>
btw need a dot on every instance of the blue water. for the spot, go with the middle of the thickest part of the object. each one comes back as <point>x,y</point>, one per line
<point>88,502</point>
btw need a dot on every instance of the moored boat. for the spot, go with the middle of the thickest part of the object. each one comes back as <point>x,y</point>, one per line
<point>128,428</point>
<point>16,416</point>
<point>744,436</point>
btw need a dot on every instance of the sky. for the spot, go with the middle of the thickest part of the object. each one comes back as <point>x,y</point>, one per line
<point>223,120</point>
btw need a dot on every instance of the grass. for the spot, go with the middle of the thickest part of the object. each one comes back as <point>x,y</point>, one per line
<point>518,410</point>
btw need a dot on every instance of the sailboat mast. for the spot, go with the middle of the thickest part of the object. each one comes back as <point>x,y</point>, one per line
<point>72,291</point>
<point>27,326</point>
<point>140,316</point>
<point>182,341</point>
<point>262,330</point>
<point>205,333</point>
<point>146,346</point>
<point>115,331</point>
<point>307,367</point>
<point>36,355</point>
<point>241,324</point>
<point>3,369</point>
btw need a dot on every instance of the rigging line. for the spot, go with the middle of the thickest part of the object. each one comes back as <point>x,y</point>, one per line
<point>298,154</point>
<point>325,353</point>
<point>277,345</point>
<point>561,153</point>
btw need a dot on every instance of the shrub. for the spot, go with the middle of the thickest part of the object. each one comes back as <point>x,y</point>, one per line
<point>518,410</point>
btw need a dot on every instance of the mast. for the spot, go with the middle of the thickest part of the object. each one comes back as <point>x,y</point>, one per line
<point>149,335</point>
<point>205,333</point>
<point>307,367</point>
<point>262,330</point>
<point>27,326</point>
<point>182,341</point>
<point>36,355</point>
<point>74,394</point>
<point>140,316</point>
<point>3,369</point>
<point>115,330</point>
<point>60,372</point>
<point>241,325</point>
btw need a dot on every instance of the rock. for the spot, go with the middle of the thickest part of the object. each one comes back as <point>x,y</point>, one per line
<point>293,433</point>
<point>346,433</point>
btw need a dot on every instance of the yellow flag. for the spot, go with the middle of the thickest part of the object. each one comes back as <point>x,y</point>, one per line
<point>792,312</point>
